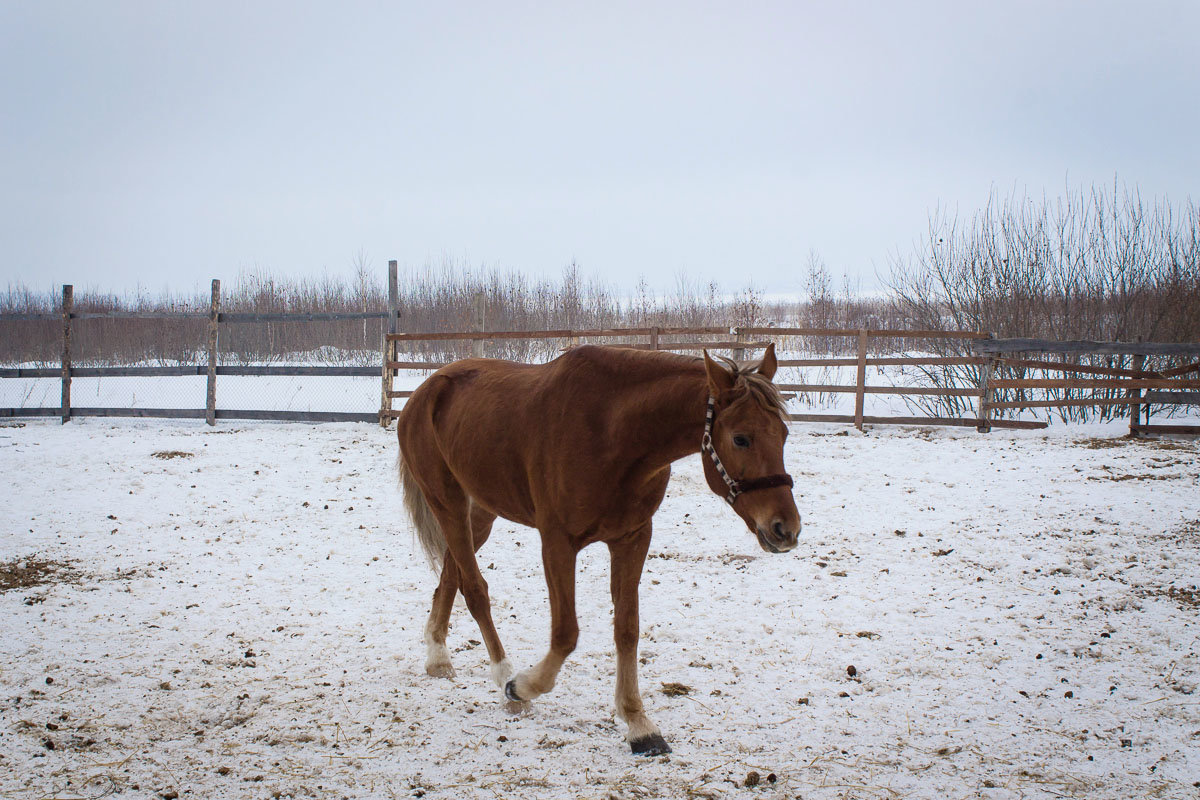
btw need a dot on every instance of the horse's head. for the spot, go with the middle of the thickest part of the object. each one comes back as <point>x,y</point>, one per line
<point>743,449</point>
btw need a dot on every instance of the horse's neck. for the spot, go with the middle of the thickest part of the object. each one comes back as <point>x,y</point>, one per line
<point>667,414</point>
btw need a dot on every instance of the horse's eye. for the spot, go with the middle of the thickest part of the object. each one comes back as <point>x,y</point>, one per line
<point>741,441</point>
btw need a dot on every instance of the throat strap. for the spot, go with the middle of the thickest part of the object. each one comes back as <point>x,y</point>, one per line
<point>736,487</point>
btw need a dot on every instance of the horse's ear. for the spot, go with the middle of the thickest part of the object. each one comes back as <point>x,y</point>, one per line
<point>768,365</point>
<point>719,379</point>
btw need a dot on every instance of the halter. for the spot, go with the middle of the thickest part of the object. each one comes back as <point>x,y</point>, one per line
<point>739,486</point>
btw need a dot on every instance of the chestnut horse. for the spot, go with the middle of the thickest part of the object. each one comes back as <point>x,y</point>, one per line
<point>581,449</point>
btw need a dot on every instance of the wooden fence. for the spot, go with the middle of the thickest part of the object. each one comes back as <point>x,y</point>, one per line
<point>738,341</point>
<point>1161,387</point>
<point>1137,388</point>
<point>210,413</point>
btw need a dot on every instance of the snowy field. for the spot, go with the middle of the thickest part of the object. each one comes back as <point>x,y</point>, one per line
<point>237,612</point>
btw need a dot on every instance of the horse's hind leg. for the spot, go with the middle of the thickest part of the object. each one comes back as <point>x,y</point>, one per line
<point>437,659</point>
<point>460,549</point>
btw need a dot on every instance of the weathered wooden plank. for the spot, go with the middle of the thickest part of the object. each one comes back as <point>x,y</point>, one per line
<point>944,361</point>
<point>821,417</point>
<point>709,331</point>
<point>984,403</point>
<point>298,416</point>
<point>393,309</point>
<point>1058,366</point>
<point>31,412</point>
<point>835,389</point>
<point>1184,370</point>
<point>1135,410</point>
<point>828,388</point>
<point>47,316</point>
<point>237,317</point>
<point>200,413</point>
<point>871,332</point>
<point>388,372</point>
<point>942,421</point>
<point>630,332</point>
<point>1072,383</point>
<point>161,315</point>
<point>723,345</point>
<point>327,372</point>
<point>136,372</point>
<point>416,364</point>
<point>1173,398</point>
<point>68,302</point>
<point>861,381</point>
<point>1102,348</point>
<point>922,390</point>
<point>31,372</point>
<point>165,413</point>
<point>211,388</point>
<point>819,362</point>
<point>1069,403</point>
<point>161,372</point>
<point>1189,430</point>
<point>546,334</point>
<point>393,393</point>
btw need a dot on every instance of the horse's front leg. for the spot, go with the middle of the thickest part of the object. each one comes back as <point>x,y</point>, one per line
<point>628,557</point>
<point>558,561</point>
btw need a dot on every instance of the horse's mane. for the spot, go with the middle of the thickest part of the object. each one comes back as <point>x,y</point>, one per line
<point>758,386</point>
<point>744,375</point>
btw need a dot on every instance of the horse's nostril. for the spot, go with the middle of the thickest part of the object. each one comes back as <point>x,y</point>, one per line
<point>779,532</point>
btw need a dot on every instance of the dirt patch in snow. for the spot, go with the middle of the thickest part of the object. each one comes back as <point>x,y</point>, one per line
<point>26,573</point>
<point>1125,441</point>
<point>169,454</point>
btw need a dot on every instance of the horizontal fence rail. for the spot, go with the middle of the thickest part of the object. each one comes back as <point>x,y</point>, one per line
<point>1088,348</point>
<point>223,317</point>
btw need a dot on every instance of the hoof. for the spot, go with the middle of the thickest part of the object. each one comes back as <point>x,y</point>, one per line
<point>510,691</point>
<point>439,670</point>
<point>652,745</point>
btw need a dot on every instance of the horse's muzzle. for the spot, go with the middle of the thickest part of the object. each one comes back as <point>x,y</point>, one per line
<point>778,538</point>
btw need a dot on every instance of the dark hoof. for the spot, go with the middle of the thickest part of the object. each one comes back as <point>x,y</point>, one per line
<point>510,691</point>
<point>652,745</point>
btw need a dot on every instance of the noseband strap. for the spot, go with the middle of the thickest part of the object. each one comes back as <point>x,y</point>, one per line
<point>736,487</point>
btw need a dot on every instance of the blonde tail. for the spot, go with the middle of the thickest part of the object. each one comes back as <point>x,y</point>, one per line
<point>426,528</point>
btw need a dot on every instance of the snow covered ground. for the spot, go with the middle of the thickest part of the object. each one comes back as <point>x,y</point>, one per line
<point>237,612</point>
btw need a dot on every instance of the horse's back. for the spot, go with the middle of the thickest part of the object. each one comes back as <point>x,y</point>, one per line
<point>489,385</point>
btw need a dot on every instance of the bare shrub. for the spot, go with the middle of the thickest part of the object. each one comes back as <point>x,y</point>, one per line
<point>1093,264</point>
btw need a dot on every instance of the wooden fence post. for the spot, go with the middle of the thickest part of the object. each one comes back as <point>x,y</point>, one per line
<point>210,406</point>
<point>985,394</point>
<point>68,304</point>
<point>654,332</point>
<point>739,353</point>
<point>389,346</point>
<point>861,385</point>
<point>1135,410</point>
<point>478,323</point>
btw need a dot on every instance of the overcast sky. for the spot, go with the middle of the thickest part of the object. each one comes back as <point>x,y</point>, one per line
<point>160,144</point>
